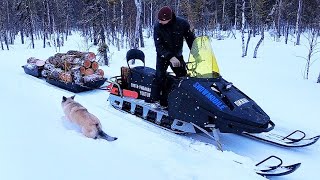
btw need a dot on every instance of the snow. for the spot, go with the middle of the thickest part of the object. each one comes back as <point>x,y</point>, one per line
<point>37,142</point>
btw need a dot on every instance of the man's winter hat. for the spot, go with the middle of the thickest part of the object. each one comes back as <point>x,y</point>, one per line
<point>165,13</point>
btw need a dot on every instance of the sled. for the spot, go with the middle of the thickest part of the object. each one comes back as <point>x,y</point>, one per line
<point>35,71</point>
<point>77,88</point>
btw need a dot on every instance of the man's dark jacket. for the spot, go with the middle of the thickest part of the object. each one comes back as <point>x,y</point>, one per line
<point>168,38</point>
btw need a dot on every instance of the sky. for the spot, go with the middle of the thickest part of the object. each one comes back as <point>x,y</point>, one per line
<point>38,142</point>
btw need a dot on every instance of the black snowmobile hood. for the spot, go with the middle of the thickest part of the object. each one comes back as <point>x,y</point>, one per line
<point>220,97</point>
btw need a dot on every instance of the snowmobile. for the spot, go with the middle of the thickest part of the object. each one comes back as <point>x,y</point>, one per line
<point>202,101</point>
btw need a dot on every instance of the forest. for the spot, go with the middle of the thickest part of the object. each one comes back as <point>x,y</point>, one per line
<point>121,23</point>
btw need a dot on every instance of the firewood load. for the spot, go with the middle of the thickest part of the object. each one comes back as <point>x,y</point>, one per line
<point>33,62</point>
<point>34,66</point>
<point>73,66</point>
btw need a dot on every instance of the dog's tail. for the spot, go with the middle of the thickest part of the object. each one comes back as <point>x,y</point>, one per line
<point>104,135</point>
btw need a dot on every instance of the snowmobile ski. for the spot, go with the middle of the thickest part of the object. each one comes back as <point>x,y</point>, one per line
<point>277,170</point>
<point>295,139</point>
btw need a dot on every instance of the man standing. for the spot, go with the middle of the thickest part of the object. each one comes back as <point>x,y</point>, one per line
<point>168,36</point>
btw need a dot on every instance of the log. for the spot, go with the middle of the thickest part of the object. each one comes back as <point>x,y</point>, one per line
<point>31,66</point>
<point>78,54</point>
<point>100,72</point>
<point>77,76</point>
<point>89,71</point>
<point>49,66</point>
<point>50,60</point>
<point>90,56</point>
<point>55,74</point>
<point>44,73</point>
<point>77,61</point>
<point>40,63</point>
<point>32,60</point>
<point>92,78</point>
<point>37,62</point>
<point>65,77</point>
<point>82,70</point>
<point>94,65</point>
<point>87,63</point>
<point>66,65</point>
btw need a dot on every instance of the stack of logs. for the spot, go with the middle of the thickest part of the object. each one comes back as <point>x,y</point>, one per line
<point>34,63</point>
<point>73,66</point>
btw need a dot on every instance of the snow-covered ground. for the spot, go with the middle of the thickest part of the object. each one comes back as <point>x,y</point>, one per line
<point>37,142</point>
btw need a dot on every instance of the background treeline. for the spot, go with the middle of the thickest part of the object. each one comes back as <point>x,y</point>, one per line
<point>114,21</point>
<point>121,22</point>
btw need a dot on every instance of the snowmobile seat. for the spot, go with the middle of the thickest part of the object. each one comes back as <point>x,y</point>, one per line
<point>135,54</point>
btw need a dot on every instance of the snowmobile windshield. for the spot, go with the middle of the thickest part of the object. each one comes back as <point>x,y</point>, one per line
<point>202,62</point>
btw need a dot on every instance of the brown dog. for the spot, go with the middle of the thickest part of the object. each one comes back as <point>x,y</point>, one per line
<point>90,124</point>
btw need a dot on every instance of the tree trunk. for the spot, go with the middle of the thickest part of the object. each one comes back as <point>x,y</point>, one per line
<point>242,28</point>
<point>318,81</point>
<point>67,22</point>
<point>141,36</point>
<point>114,29</point>
<point>54,32</point>
<point>259,43</point>
<point>248,40</point>
<point>49,29</point>
<point>177,7</point>
<point>298,22</point>
<point>235,14</point>
<point>287,32</point>
<point>151,14</point>
<point>138,17</point>
<point>8,19</point>
<point>121,34</point>
<point>44,25</point>
<point>30,23</point>
<point>254,17</point>
<point>44,40</point>
<point>1,43</point>
<point>313,42</point>
<point>223,14</point>
<point>22,35</point>
<point>6,41</point>
<point>279,18</point>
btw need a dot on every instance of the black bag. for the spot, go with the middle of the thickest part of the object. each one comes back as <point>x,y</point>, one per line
<point>140,80</point>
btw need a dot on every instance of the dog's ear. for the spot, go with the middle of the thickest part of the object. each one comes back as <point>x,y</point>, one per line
<point>72,97</point>
<point>64,99</point>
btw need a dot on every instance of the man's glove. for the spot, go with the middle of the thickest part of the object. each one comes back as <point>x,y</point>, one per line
<point>175,62</point>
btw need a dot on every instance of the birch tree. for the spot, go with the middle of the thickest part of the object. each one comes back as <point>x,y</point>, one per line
<point>298,22</point>
<point>313,42</point>
<point>262,12</point>
<point>279,2</point>
<point>137,27</point>
<point>235,14</point>
<point>243,28</point>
